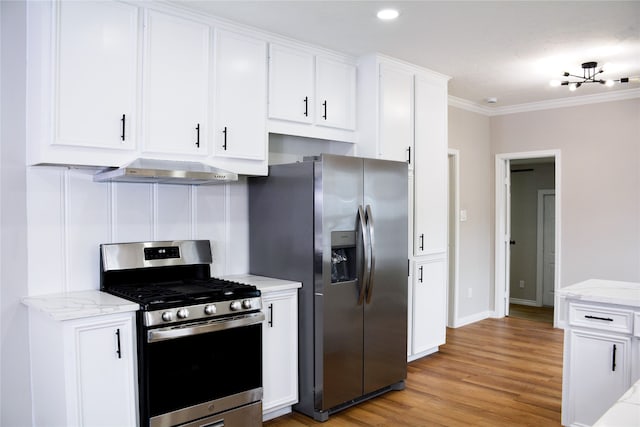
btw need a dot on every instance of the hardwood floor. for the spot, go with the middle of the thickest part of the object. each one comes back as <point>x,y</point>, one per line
<point>497,372</point>
<point>539,314</point>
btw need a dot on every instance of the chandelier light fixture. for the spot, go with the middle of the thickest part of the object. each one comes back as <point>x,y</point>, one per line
<point>590,73</point>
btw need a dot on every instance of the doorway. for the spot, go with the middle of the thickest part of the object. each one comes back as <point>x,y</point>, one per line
<point>520,245</point>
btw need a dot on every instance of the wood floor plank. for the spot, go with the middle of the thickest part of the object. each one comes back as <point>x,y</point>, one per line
<point>497,372</point>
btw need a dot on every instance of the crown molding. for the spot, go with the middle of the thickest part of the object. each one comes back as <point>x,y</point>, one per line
<point>574,101</point>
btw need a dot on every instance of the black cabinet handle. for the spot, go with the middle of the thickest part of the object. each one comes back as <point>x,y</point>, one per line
<point>422,242</point>
<point>306,106</point>
<point>613,364</point>
<point>198,135</point>
<point>270,316</point>
<point>123,120</point>
<point>324,104</point>
<point>420,278</point>
<point>409,150</point>
<point>224,145</point>
<point>608,319</point>
<point>118,349</point>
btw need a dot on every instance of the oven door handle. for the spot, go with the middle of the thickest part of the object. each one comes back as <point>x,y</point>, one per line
<point>163,334</point>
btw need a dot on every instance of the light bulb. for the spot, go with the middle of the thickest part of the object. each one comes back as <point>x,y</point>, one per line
<point>387,14</point>
<point>609,83</point>
<point>554,83</point>
<point>573,87</point>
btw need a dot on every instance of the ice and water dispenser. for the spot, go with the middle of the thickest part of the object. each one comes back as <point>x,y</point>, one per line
<point>343,256</point>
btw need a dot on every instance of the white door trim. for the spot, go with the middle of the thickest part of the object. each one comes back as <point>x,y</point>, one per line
<point>540,242</point>
<point>453,258</point>
<point>502,177</point>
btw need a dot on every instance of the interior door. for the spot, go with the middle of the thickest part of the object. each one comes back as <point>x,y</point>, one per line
<point>385,305</point>
<point>548,249</point>
<point>507,234</point>
<point>339,328</point>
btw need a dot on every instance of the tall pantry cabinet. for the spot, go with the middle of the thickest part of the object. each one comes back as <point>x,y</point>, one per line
<point>402,116</point>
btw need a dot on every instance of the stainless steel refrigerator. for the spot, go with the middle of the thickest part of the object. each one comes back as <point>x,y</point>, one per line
<point>339,225</point>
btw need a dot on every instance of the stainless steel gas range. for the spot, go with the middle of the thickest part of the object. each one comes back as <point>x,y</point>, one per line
<point>199,338</point>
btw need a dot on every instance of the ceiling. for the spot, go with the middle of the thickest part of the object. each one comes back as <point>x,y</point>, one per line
<point>508,50</point>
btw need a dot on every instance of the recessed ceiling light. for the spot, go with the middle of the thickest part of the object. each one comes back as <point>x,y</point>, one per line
<point>388,14</point>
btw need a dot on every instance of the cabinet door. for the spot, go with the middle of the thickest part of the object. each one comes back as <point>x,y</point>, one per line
<point>96,74</point>
<point>280,350</point>
<point>241,96</point>
<point>429,305</point>
<point>291,76</point>
<point>335,94</point>
<point>599,374</point>
<point>176,85</point>
<point>430,169</point>
<point>105,373</point>
<point>396,113</point>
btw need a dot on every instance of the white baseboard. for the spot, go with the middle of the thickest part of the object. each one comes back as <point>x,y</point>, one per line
<point>519,301</point>
<point>472,319</point>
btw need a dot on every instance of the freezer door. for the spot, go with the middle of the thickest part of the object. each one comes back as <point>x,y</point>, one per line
<point>385,308</point>
<point>339,328</point>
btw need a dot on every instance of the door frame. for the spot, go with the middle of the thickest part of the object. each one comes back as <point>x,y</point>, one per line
<point>453,156</point>
<point>540,249</point>
<point>502,206</point>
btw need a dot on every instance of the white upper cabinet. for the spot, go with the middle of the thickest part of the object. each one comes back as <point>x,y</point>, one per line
<point>430,148</point>
<point>396,114</point>
<point>335,94</point>
<point>311,95</point>
<point>241,96</point>
<point>82,82</point>
<point>176,85</point>
<point>291,84</point>
<point>96,82</point>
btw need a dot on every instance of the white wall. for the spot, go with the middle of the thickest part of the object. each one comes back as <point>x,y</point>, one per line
<point>600,147</point>
<point>15,390</point>
<point>469,133</point>
<point>69,215</point>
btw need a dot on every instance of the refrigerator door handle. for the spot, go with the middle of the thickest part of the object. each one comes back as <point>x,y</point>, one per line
<point>365,250</point>
<point>372,253</point>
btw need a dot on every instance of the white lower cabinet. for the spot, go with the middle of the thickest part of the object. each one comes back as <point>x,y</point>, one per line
<point>84,370</point>
<point>598,361</point>
<point>279,352</point>
<point>427,307</point>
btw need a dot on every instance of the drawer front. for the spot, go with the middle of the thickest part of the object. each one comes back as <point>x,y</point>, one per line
<point>603,318</point>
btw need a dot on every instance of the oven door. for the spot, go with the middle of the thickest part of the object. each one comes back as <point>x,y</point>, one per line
<point>197,370</point>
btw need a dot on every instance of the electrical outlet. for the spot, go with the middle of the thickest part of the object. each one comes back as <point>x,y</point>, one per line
<point>469,292</point>
<point>522,283</point>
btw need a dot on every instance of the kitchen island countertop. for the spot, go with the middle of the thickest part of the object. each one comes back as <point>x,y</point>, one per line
<point>625,412</point>
<point>604,291</point>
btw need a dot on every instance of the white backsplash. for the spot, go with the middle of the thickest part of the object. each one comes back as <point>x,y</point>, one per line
<point>69,215</point>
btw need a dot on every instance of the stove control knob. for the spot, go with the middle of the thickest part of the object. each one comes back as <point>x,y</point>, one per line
<point>183,313</point>
<point>167,316</point>
<point>235,306</point>
<point>210,309</point>
<point>247,304</point>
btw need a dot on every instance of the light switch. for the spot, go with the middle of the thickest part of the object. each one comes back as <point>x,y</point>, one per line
<point>463,215</point>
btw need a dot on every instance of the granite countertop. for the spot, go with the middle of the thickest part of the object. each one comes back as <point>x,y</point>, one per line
<point>265,284</point>
<point>78,305</point>
<point>625,412</point>
<point>604,291</point>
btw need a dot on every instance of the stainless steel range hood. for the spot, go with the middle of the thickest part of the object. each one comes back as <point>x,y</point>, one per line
<point>166,172</point>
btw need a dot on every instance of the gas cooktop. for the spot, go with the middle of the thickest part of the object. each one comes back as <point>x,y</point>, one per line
<point>154,296</point>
